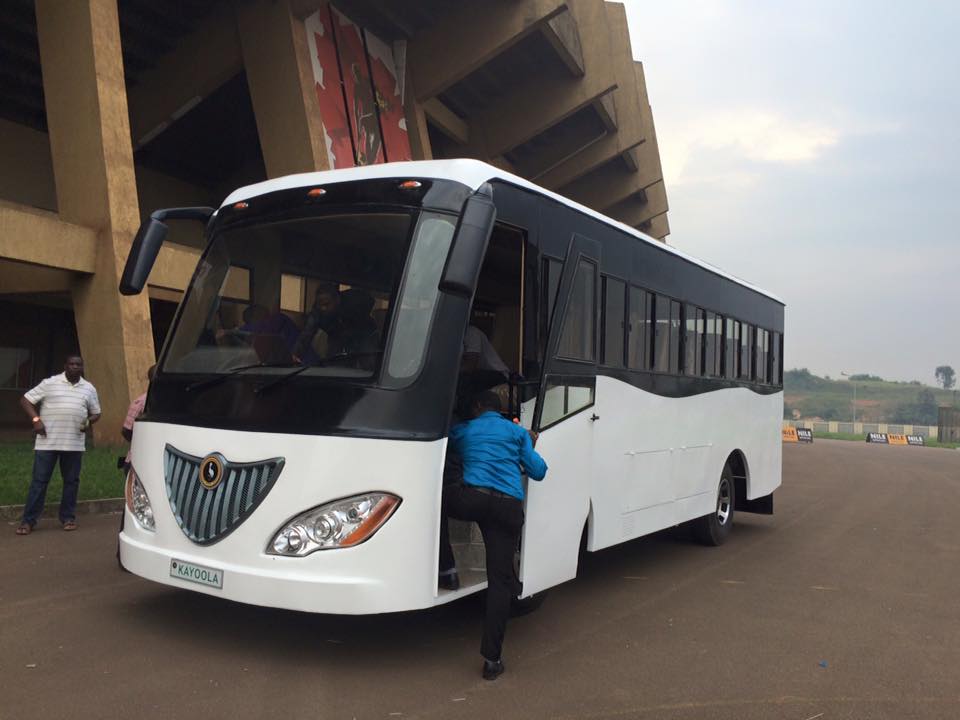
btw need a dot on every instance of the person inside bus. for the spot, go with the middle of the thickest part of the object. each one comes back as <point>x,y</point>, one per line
<point>495,454</point>
<point>359,338</point>
<point>321,328</point>
<point>481,368</point>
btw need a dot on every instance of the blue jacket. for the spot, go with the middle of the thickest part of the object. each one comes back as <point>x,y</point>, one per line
<point>495,452</point>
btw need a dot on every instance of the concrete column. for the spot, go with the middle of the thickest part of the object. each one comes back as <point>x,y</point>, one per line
<point>86,106</point>
<point>279,74</point>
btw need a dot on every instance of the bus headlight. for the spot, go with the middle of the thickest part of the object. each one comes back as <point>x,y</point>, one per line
<point>339,524</point>
<point>138,503</point>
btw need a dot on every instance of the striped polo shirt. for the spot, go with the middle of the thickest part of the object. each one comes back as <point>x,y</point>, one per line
<point>63,405</point>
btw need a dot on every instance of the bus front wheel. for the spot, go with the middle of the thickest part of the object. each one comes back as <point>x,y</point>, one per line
<point>714,528</point>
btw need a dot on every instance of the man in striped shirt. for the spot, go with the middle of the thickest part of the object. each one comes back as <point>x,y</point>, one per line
<point>61,409</point>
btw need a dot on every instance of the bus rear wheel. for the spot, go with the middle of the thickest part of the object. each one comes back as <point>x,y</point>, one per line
<point>713,529</point>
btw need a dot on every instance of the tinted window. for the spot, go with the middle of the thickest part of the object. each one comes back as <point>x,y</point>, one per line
<point>732,355</point>
<point>712,340</point>
<point>614,311</point>
<point>661,333</point>
<point>775,354</point>
<point>693,340</point>
<point>639,329</point>
<point>578,339</point>
<point>746,351</point>
<point>674,336</point>
<point>563,398</point>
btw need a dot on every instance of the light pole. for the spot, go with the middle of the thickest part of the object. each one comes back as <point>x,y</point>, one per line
<point>854,396</point>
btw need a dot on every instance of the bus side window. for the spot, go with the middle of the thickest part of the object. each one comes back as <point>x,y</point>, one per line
<point>661,333</point>
<point>693,340</point>
<point>732,356</point>
<point>746,351</point>
<point>565,395</point>
<point>549,286</point>
<point>639,329</point>
<point>613,312</point>
<point>775,359</point>
<point>578,337</point>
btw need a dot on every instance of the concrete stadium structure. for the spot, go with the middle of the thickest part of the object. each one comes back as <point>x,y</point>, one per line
<point>112,108</point>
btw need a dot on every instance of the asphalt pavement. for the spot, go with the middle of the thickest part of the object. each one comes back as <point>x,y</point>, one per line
<point>843,604</point>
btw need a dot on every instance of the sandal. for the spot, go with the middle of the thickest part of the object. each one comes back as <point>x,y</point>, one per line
<point>24,529</point>
<point>70,525</point>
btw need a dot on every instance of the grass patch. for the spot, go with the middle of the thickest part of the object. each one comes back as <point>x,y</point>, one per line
<point>927,442</point>
<point>99,477</point>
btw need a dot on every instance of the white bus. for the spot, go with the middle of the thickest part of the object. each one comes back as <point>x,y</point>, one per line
<point>291,455</point>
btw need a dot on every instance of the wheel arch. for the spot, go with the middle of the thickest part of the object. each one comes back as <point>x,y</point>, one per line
<point>737,462</point>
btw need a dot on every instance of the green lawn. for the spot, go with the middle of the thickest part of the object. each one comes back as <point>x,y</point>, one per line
<point>98,479</point>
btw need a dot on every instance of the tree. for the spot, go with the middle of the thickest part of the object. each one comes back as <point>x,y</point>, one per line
<point>945,376</point>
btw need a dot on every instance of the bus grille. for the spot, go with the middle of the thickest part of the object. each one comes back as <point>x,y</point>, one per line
<point>208,515</point>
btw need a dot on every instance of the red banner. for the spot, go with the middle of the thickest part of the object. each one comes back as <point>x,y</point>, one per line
<point>393,122</point>
<point>326,75</point>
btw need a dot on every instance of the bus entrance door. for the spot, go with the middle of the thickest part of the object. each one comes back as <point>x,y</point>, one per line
<point>557,507</point>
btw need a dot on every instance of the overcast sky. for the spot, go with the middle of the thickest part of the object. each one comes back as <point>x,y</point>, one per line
<point>812,148</point>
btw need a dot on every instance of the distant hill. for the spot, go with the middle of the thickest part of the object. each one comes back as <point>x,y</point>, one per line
<point>810,397</point>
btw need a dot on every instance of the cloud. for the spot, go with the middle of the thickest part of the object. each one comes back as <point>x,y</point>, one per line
<point>754,135</point>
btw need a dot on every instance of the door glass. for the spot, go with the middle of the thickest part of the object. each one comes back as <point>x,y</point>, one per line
<point>577,341</point>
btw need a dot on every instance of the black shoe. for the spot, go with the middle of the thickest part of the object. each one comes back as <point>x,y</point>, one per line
<point>492,670</point>
<point>449,581</point>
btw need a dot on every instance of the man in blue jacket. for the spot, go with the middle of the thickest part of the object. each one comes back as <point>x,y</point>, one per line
<point>495,454</point>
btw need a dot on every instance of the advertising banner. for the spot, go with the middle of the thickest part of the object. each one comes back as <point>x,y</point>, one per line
<point>790,434</point>
<point>805,435</point>
<point>894,439</point>
<point>877,438</point>
<point>915,440</point>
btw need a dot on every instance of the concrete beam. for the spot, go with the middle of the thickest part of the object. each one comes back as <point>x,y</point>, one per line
<point>86,104</point>
<point>174,267</point>
<point>280,77</point>
<point>658,227</point>
<point>41,238</point>
<point>470,36</point>
<point>446,121</point>
<point>607,186</point>
<point>648,154</point>
<point>561,32</point>
<point>17,278</point>
<point>202,62</point>
<point>647,204</point>
<point>536,106</point>
<point>606,108</point>
<point>630,98</point>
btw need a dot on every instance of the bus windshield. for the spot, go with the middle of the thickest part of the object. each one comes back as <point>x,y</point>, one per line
<point>322,294</point>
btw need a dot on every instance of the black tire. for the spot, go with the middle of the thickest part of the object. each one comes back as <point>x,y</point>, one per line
<point>713,529</point>
<point>524,606</point>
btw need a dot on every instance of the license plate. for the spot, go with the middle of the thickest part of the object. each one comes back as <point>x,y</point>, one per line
<point>211,577</point>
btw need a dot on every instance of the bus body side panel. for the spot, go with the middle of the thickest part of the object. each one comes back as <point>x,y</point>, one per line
<point>659,459</point>
<point>396,569</point>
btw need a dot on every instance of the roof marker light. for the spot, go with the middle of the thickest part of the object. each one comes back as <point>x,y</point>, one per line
<point>410,184</point>
<point>241,205</point>
<point>316,192</point>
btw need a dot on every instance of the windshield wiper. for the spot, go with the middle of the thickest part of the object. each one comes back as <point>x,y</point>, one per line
<point>282,378</point>
<point>230,372</point>
<point>350,356</point>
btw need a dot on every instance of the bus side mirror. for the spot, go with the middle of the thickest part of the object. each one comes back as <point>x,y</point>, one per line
<point>462,269</point>
<point>143,253</point>
<point>146,245</point>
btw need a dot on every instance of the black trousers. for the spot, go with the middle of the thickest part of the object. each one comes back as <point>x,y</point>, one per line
<point>500,519</point>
